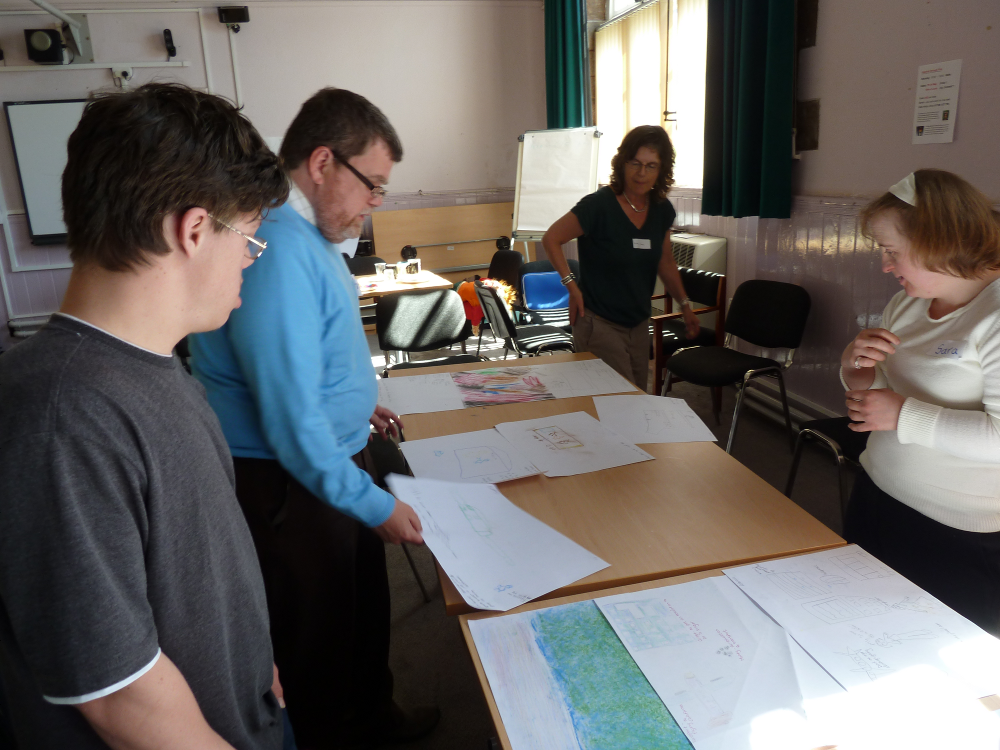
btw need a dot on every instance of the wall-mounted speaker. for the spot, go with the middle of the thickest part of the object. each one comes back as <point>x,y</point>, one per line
<point>45,46</point>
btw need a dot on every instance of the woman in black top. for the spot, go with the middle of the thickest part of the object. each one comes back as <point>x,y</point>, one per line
<point>624,243</point>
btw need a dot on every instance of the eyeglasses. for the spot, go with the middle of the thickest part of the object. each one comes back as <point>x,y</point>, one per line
<point>252,254</point>
<point>638,166</point>
<point>377,192</point>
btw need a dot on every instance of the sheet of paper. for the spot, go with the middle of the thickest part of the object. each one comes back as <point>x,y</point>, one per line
<point>484,457</point>
<point>936,106</point>
<point>497,555</point>
<point>566,444</point>
<point>652,419</point>
<point>562,680</point>
<point>716,660</point>
<point>500,385</point>
<point>419,394</point>
<point>862,621</point>
<point>591,377</point>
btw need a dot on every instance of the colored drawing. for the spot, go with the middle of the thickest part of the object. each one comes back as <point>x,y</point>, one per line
<point>557,438</point>
<point>563,681</point>
<point>481,461</point>
<point>648,624</point>
<point>507,385</point>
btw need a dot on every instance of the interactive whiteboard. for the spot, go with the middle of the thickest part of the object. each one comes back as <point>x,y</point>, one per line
<point>555,169</point>
<point>39,132</point>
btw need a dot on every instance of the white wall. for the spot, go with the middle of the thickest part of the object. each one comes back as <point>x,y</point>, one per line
<point>459,79</point>
<point>864,70</point>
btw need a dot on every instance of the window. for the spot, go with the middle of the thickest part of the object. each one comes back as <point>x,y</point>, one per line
<point>649,61</point>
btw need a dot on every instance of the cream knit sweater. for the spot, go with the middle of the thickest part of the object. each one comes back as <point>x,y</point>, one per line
<point>944,458</point>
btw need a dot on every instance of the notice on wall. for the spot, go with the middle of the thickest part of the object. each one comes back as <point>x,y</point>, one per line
<point>937,102</point>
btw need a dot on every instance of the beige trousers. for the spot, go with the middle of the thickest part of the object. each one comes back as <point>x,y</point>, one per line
<point>625,350</point>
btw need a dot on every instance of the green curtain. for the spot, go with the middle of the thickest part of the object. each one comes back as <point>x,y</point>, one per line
<point>565,53</point>
<point>748,108</point>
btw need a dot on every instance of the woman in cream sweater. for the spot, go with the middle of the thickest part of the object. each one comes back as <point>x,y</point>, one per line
<point>927,386</point>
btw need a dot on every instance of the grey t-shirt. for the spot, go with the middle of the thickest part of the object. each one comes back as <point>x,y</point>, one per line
<point>120,534</point>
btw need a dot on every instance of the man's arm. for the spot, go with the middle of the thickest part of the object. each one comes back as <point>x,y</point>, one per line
<point>157,711</point>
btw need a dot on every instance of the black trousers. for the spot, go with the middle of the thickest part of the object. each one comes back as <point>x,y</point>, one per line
<point>328,598</point>
<point>961,568</point>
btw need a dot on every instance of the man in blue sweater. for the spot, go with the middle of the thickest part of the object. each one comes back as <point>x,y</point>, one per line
<point>291,378</point>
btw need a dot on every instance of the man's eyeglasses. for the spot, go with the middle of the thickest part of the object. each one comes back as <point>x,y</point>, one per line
<point>377,192</point>
<point>260,245</point>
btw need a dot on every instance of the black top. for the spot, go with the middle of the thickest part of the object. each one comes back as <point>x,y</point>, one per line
<point>120,534</point>
<point>618,262</point>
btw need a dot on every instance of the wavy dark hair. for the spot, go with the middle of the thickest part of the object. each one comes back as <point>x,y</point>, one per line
<point>656,138</point>
<point>140,156</point>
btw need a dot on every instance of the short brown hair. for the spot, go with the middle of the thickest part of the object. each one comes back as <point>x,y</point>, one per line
<point>139,156</point>
<point>656,138</point>
<point>952,229</point>
<point>341,120</point>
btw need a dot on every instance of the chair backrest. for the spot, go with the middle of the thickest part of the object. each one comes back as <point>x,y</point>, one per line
<point>362,266</point>
<point>419,321</point>
<point>544,291</point>
<point>701,286</point>
<point>495,312</point>
<point>506,266</point>
<point>771,314</point>
<point>545,266</point>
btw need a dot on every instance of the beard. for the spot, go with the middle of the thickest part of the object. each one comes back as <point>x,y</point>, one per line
<point>335,224</point>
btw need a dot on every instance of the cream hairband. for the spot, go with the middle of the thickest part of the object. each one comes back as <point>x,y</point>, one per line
<point>906,189</point>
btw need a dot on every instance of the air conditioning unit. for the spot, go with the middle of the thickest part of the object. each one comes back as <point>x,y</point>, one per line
<point>701,252</point>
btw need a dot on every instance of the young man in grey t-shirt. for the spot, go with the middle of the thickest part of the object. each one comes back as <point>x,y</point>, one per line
<point>132,610</point>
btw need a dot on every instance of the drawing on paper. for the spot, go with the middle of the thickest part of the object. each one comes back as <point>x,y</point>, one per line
<point>866,661</point>
<point>649,624</point>
<point>482,461</point>
<point>481,525</point>
<point>920,604</point>
<point>836,609</point>
<point>796,585</point>
<point>507,385</point>
<point>556,438</point>
<point>861,567</point>
<point>718,716</point>
<point>888,640</point>
<point>563,681</point>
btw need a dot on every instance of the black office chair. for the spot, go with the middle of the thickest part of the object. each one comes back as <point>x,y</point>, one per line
<point>769,314</point>
<point>529,340</point>
<point>362,265</point>
<point>421,321</point>
<point>530,314</point>
<point>845,444</point>
<point>669,334</point>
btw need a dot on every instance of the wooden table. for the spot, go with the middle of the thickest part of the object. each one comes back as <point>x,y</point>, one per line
<point>991,702</point>
<point>376,286</point>
<point>694,508</point>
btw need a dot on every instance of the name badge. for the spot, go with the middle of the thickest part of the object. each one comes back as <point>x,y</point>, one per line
<point>642,244</point>
<point>949,349</point>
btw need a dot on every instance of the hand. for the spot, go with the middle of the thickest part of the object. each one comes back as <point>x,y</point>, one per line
<point>385,422</point>
<point>874,410</point>
<point>575,302</point>
<point>279,692</point>
<point>691,322</point>
<point>870,346</point>
<point>402,526</point>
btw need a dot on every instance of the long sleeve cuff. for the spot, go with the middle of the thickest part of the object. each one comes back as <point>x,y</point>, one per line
<point>916,422</point>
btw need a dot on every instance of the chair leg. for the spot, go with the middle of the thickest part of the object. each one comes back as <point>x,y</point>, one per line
<point>736,412</point>
<point>844,498</point>
<point>796,457</point>
<point>413,567</point>
<point>784,405</point>
<point>480,344</point>
<point>717,404</point>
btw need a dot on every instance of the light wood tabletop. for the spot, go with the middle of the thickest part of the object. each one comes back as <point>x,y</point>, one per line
<point>693,508</point>
<point>991,702</point>
<point>377,286</point>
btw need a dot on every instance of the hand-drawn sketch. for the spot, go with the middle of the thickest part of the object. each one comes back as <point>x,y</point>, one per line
<point>796,585</point>
<point>921,604</point>
<point>481,525</point>
<point>495,385</point>
<point>888,640</point>
<point>843,608</point>
<point>648,623</point>
<point>562,680</point>
<point>718,716</point>
<point>651,419</point>
<point>557,438</point>
<point>482,461</point>
<point>866,662</point>
<point>861,566</point>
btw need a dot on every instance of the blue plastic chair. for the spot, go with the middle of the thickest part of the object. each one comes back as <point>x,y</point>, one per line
<point>546,300</point>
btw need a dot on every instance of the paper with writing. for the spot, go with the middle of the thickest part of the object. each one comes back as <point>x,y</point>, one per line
<point>652,419</point>
<point>483,457</point>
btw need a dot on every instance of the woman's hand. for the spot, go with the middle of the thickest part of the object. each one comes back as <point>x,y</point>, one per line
<point>874,410</point>
<point>869,347</point>
<point>385,422</point>
<point>575,302</point>
<point>691,322</point>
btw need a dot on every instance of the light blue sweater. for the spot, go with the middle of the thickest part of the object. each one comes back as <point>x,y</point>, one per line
<point>290,375</point>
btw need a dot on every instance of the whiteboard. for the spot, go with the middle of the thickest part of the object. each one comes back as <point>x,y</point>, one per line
<point>555,169</point>
<point>39,132</point>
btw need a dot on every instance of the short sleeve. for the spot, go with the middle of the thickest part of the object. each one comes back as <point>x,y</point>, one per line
<point>72,573</point>
<point>667,214</point>
<point>588,212</point>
